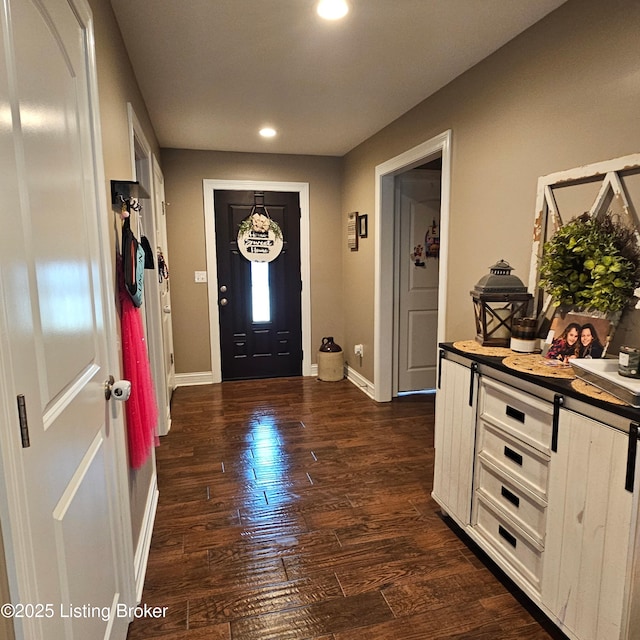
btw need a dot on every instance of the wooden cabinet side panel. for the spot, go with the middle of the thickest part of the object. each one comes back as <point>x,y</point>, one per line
<point>588,522</point>
<point>454,442</point>
<point>618,543</point>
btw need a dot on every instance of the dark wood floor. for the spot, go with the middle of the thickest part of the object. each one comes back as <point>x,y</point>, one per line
<point>295,509</point>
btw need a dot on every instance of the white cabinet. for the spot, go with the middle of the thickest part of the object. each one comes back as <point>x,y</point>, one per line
<point>588,530</point>
<point>543,482</point>
<point>454,440</point>
<point>511,478</point>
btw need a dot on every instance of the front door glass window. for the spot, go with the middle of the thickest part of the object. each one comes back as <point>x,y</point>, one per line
<point>260,305</point>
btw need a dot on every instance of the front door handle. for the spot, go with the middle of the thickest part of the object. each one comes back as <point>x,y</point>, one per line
<point>223,302</point>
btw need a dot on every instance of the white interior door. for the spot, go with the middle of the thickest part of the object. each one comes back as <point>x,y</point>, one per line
<point>417,320</point>
<point>145,224</point>
<point>165,294</point>
<point>63,498</point>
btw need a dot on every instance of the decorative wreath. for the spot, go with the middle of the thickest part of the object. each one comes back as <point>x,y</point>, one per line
<point>591,263</point>
<point>260,222</point>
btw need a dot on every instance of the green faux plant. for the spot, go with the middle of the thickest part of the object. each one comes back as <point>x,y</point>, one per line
<point>591,263</point>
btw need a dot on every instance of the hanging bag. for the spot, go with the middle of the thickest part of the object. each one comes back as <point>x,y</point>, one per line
<point>133,263</point>
<point>149,262</point>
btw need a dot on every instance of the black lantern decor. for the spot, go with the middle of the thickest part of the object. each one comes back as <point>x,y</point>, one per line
<point>498,299</point>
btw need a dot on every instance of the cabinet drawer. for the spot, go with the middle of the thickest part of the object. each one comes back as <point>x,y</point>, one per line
<point>509,542</point>
<point>517,412</point>
<point>526,509</point>
<point>522,462</point>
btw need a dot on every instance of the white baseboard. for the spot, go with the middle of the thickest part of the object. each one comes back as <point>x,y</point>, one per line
<point>141,555</point>
<point>354,377</point>
<point>206,377</point>
<point>192,379</point>
<point>361,382</point>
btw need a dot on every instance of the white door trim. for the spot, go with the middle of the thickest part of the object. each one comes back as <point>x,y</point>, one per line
<point>302,188</point>
<point>151,306</point>
<point>384,252</point>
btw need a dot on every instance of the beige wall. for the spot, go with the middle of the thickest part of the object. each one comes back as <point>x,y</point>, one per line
<point>116,87</point>
<point>184,172</point>
<point>563,94</point>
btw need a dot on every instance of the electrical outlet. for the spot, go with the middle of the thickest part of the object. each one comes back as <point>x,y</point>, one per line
<point>200,276</point>
<point>358,349</point>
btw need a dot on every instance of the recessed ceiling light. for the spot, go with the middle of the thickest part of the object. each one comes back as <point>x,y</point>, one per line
<point>332,9</point>
<point>267,132</point>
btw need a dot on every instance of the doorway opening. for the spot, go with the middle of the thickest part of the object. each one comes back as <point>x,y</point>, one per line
<point>387,256</point>
<point>213,283</point>
<point>417,251</point>
<point>146,225</point>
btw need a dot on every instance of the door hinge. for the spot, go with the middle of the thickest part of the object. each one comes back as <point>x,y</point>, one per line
<point>24,425</point>
<point>172,358</point>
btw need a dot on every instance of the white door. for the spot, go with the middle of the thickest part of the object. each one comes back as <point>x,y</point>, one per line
<point>165,295</point>
<point>145,223</point>
<point>417,320</point>
<point>63,505</point>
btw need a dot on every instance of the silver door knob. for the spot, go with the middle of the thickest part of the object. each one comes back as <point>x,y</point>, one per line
<point>119,390</point>
<point>223,302</point>
<point>223,288</point>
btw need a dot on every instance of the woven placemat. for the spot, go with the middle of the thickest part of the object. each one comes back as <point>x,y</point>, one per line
<point>592,391</point>
<point>539,366</point>
<point>471,346</point>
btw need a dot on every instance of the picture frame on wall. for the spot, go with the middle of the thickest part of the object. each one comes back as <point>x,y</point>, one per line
<point>363,225</point>
<point>352,230</point>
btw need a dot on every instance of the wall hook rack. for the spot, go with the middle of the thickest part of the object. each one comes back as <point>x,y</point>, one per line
<point>127,192</point>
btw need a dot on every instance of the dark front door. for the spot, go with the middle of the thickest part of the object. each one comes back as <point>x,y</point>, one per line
<point>259,302</point>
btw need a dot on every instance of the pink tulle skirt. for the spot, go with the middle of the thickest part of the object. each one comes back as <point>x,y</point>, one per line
<point>141,409</point>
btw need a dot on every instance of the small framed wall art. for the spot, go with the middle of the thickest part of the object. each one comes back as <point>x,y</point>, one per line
<point>352,230</point>
<point>363,225</point>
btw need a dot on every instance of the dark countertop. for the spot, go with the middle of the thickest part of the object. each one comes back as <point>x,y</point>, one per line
<point>542,386</point>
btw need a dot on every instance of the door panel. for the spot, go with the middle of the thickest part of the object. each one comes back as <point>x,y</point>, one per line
<point>251,349</point>
<point>165,294</point>
<point>418,290</point>
<point>53,338</point>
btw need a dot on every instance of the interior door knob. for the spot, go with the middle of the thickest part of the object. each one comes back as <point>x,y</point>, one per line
<point>223,302</point>
<point>119,390</point>
<point>223,288</point>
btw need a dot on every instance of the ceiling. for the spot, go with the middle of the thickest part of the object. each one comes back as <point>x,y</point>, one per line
<point>213,72</point>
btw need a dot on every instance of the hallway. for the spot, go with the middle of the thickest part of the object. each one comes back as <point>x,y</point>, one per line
<point>294,509</point>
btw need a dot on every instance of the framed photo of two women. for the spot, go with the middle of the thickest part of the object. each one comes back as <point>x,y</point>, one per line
<point>578,335</point>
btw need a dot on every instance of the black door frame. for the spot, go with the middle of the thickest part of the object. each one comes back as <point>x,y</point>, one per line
<point>302,188</point>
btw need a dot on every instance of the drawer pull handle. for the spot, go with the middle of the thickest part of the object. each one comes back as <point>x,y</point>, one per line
<point>510,538</point>
<point>515,414</point>
<point>513,455</point>
<point>510,496</point>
